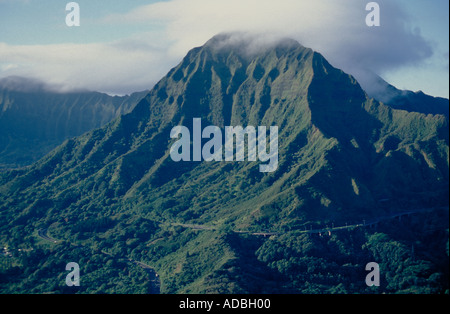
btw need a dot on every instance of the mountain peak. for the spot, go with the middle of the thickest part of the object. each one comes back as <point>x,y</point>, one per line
<point>249,44</point>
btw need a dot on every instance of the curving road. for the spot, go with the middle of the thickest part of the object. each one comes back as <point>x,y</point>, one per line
<point>42,233</point>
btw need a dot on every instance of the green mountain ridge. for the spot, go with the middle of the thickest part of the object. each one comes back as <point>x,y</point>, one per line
<point>343,157</point>
<point>410,101</point>
<point>34,119</point>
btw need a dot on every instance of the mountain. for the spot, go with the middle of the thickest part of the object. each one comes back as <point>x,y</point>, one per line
<point>410,101</point>
<point>344,159</point>
<point>34,119</point>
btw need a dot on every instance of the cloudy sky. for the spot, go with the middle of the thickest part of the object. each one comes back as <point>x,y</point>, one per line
<point>125,46</point>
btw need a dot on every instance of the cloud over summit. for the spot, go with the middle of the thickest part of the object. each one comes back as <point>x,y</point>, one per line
<point>334,28</point>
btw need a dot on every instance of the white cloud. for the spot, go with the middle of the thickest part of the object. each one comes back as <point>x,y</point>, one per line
<point>119,67</point>
<point>333,27</point>
<point>327,25</point>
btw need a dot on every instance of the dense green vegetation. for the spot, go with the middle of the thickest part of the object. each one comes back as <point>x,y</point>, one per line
<point>115,195</point>
<point>412,253</point>
<point>43,271</point>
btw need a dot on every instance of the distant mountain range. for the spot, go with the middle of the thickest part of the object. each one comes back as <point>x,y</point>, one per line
<point>410,101</point>
<point>34,119</point>
<point>344,158</point>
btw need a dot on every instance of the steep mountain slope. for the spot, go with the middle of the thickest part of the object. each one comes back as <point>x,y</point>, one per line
<point>343,157</point>
<point>34,120</point>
